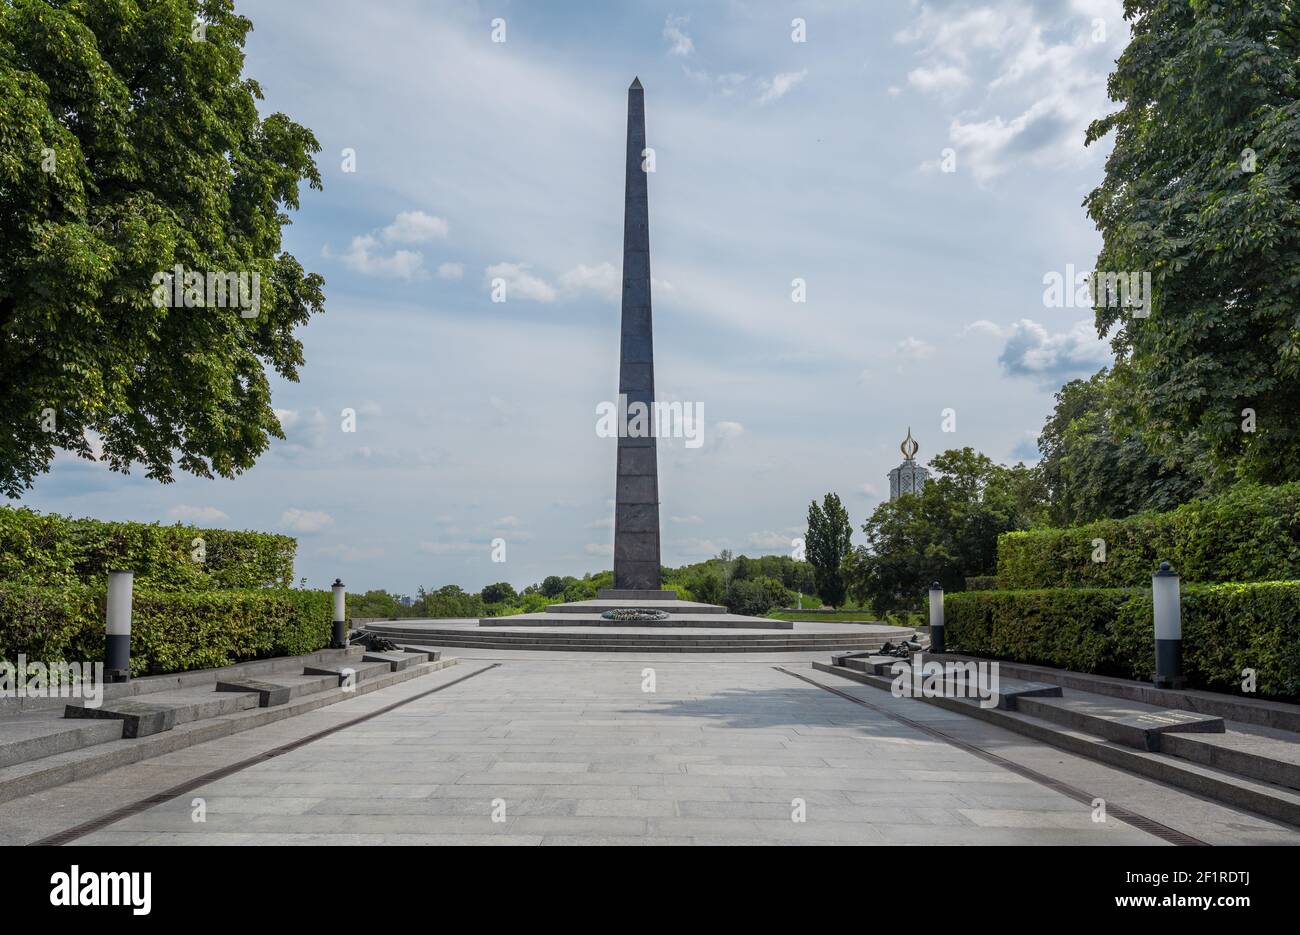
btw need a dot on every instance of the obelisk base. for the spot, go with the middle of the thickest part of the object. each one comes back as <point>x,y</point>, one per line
<point>634,594</point>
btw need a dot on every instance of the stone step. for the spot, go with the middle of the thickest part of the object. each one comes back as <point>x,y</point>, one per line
<point>139,718</point>
<point>1123,722</point>
<point>141,688</point>
<point>758,647</point>
<point>397,661</point>
<point>878,671</point>
<point>357,671</point>
<point>1269,756</point>
<point>1220,784</point>
<point>269,695</point>
<point>489,634</point>
<point>32,736</point>
<point>1242,709</point>
<point>599,607</point>
<point>36,774</point>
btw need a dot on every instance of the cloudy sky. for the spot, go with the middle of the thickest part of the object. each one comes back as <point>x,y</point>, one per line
<point>822,160</point>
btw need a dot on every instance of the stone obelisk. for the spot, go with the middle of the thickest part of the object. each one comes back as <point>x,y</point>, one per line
<point>636,511</point>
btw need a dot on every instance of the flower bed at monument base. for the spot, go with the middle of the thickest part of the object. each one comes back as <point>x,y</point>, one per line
<point>1227,629</point>
<point>172,631</point>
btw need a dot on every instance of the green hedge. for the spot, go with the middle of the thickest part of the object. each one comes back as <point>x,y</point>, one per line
<point>1226,628</point>
<point>170,632</point>
<point>981,583</point>
<point>49,550</point>
<point>1250,534</point>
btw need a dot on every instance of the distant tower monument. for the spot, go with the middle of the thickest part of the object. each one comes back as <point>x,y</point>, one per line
<point>908,477</point>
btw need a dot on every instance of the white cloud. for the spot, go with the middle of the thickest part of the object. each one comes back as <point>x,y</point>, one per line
<point>674,33</point>
<point>452,548</point>
<point>367,253</point>
<point>780,85</point>
<point>941,79</point>
<point>769,540</point>
<point>521,284</point>
<point>451,270</point>
<point>602,279</point>
<point>911,348</point>
<point>349,553</point>
<point>196,514</point>
<point>699,548</point>
<point>1043,76</point>
<point>303,431</point>
<point>691,520</point>
<point>365,256</point>
<point>983,326</point>
<point>508,522</point>
<point>726,432</point>
<point>726,84</point>
<point>415,227</point>
<point>1032,351</point>
<point>599,548</point>
<point>305,521</point>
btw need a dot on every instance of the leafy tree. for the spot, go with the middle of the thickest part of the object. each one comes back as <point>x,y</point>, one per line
<point>1202,190</point>
<point>375,604</point>
<point>827,542</point>
<point>499,593</point>
<point>553,586</point>
<point>577,590</point>
<point>1089,472</point>
<point>946,532</point>
<point>707,587</point>
<point>451,601</point>
<point>130,144</point>
<point>754,597</point>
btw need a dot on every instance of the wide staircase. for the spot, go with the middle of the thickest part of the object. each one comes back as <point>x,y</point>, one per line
<point>45,742</point>
<point>650,639</point>
<point>1233,749</point>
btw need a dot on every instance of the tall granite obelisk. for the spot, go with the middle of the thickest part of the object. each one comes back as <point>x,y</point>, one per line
<point>636,511</point>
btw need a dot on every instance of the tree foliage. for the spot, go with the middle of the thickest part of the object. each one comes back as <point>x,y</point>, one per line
<point>130,143</point>
<point>944,533</point>
<point>1202,190</point>
<point>1090,471</point>
<point>828,540</point>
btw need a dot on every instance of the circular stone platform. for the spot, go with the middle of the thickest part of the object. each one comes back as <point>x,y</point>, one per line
<point>582,636</point>
<point>680,614</point>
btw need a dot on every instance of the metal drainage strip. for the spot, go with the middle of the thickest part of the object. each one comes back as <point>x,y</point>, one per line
<point>126,811</point>
<point>1141,822</point>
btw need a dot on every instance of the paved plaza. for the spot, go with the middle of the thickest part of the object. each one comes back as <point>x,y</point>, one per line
<point>555,749</point>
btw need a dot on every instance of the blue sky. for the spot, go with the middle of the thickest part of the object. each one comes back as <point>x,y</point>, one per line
<point>775,159</point>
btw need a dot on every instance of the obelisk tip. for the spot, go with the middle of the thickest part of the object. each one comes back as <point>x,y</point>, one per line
<point>636,85</point>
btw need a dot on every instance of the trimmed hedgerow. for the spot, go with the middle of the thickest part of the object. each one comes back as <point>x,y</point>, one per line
<point>171,631</point>
<point>1227,628</point>
<point>981,583</point>
<point>52,550</point>
<point>1251,533</point>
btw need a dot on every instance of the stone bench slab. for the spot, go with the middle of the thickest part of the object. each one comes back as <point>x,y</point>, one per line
<point>139,718</point>
<point>269,694</point>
